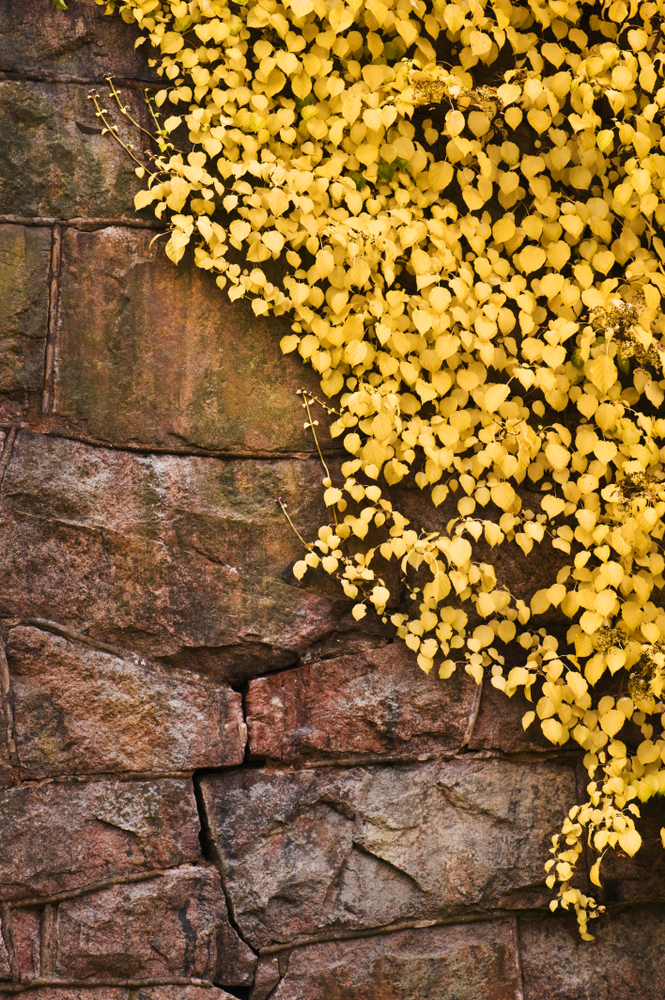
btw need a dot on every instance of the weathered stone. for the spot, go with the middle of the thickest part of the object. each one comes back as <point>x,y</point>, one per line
<point>328,849</point>
<point>147,930</point>
<point>375,702</point>
<point>236,962</point>
<point>157,553</point>
<point>181,993</point>
<point>5,967</point>
<point>79,711</point>
<point>26,940</point>
<point>81,993</point>
<point>625,962</point>
<point>91,832</point>
<point>499,723</point>
<point>24,267</point>
<point>56,162</point>
<point>154,354</point>
<point>465,962</point>
<point>81,41</point>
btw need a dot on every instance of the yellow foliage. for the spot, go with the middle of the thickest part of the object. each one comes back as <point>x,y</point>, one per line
<point>476,272</point>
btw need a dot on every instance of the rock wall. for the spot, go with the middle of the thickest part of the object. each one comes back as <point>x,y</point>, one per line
<point>213,782</point>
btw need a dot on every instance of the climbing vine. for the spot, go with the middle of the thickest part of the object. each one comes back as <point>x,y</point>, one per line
<point>466,200</point>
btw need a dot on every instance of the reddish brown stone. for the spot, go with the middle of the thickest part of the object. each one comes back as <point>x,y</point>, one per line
<point>26,941</point>
<point>236,962</point>
<point>156,355</point>
<point>132,718</point>
<point>157,553</point>
<point>159,928</point>
<point>625,962</point>
<point>328,849</point>
<point>24,267</point>
<point>38,40</point>
<point>464,962</point>
<point>91,832</point>
<point>78,993</point>
<point>5,967</point>
<point>56,163</point>
<point>499,723</point>
<point>375,702</point>
<point>181,993</point>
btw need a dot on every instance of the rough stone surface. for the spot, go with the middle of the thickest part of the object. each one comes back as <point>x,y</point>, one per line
<point>92,832</point>
<point>467,962</point>
<point>181,993</point>
<point>152,354</point>
<point>625,962</point>
<point>81,993</point>
<point>36,40</point>
<point>24,267</point>
<point>328,849</point>
<point>56,163</point>
<point>498,724</point>
<point>79,711</point>
<point>374,702</point>
<point>162,927</point>
<point>158,553</point>
<point>5,968</point>
<point>26,940</point>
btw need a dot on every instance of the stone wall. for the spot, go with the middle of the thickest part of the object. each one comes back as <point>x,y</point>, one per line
<point>213,781</point>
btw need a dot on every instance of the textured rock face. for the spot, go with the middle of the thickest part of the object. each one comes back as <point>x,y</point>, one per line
<point>93,832</point>
<point>79,711</point>
<point>317,851</point>
<point>150,353</point>
<point>440,963</point>
<point>159,928</point>
<point>56,162</point>
<point>24,265</point>
<point>158,553</point>
<point>626,961</point>
<point>374,702</point>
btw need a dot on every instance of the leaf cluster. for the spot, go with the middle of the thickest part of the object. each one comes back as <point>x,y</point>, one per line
<point>467,204</point>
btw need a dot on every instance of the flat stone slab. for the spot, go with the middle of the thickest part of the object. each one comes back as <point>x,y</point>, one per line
<point>157,355</point>
<point>80,41</point>
<point>464,962</point>
<point>56,163</point>
<point>327,849</point>
<point>161,928</point>
<point>92,832</point>
<point>625,962</point>
<point>25,255</point>
<point>160,553</point>
<point>78,710</point>
<point>376,702</point>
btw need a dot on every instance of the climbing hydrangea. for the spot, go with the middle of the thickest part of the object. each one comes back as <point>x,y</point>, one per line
<point>467,201</point>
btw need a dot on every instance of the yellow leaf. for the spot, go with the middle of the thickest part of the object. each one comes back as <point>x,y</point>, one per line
<point>358,611</point>
<point>527,719</point>
<point>602,372</point>
<point>332,496</point>
<point>612,721</point>
<point>630,842</point>
<point>594,874</point>
<point>495,396</point>
<point>503,495</point>
<point>554,731</point>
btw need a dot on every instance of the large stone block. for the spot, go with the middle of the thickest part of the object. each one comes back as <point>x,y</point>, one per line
<point>378,702</point>
<point>24,268</point>
<point>464,962</point>
<point>61,837</point>
<point>132,717</point>
<point>327,849</point>
<point>625,962</point>
<point>155,354</point>
<point>181,993</point>
<point>56,163</point>
<point>81,993</point>
<point>498,724</point>
<point>161,928</point>
<point>158,553</point>
<point>627,880</point>
<point>36,39</point>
